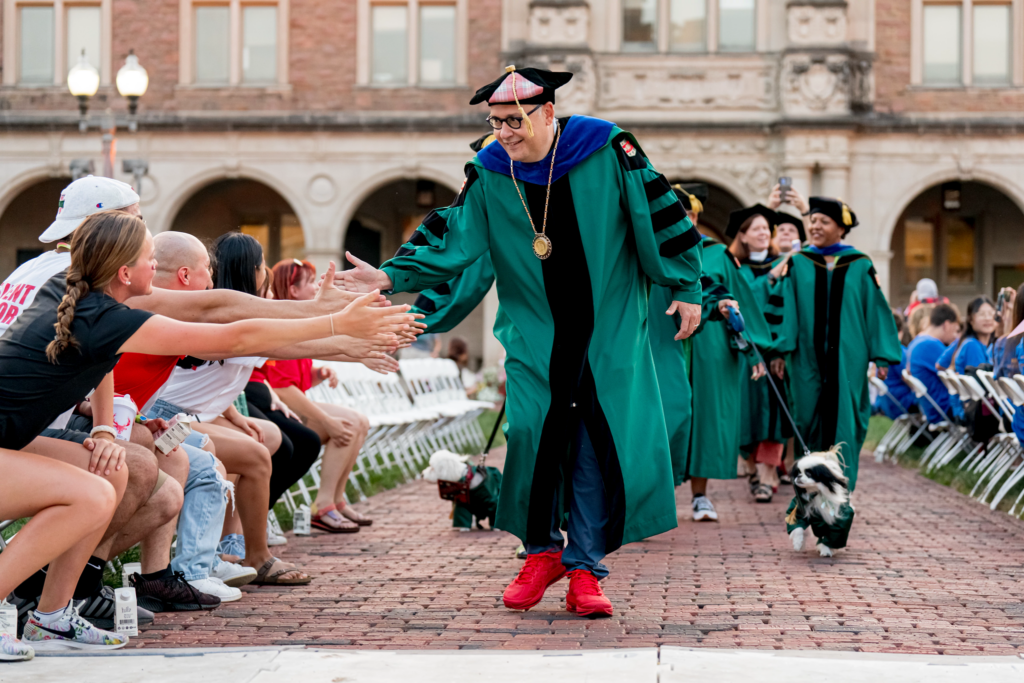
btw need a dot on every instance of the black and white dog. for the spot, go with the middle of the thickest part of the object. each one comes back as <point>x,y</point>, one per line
<point>822,502</point>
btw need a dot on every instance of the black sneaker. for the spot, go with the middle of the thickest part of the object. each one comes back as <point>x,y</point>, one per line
<point>99,610</point>
<point>171,594</point>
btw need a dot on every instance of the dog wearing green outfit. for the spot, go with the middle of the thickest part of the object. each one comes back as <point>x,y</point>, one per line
<point>822,502</point>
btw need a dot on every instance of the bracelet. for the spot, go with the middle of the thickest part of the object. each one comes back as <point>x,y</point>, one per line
<point>806,214</point>
<point>103,429</point>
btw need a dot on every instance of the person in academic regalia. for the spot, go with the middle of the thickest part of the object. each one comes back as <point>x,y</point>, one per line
<point>764,426</point>
<point>672,356</point>
<point>718,371</point>
<point>576,221</point>
<point>790,228</point>
<point>841,322</point>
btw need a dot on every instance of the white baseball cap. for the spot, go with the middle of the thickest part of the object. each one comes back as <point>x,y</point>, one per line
<point>85,197</point>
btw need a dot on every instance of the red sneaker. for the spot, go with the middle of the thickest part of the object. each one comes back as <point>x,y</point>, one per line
<point>538,572</point>
<point>585,597</point>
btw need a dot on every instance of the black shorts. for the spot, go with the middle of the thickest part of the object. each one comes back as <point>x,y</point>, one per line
<point>65,435</point>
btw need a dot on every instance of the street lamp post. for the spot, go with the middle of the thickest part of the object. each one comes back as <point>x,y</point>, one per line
<point>132,82</point>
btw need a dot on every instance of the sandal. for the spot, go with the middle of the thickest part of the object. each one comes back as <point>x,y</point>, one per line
<point>330,520</point>
<point>353,516</point>
<point>264,577</point>
<point>763,493</point>
<point>754,482</point>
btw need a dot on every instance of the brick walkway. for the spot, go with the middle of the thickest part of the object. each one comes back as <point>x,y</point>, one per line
<point>928,571</point>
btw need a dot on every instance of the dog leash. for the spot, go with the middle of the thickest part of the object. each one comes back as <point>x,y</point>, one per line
<point>494,433</point>
<point>738,326</point>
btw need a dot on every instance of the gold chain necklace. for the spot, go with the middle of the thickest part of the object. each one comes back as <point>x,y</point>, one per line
<point>541,242</point>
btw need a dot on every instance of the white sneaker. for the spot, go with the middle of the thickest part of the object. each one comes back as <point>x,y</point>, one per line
<point>216,587</point>
<point>275,539</point>
<point>68,631</point>
<point>704,510</point>
<point>13,650</point>
<point>234,575</point>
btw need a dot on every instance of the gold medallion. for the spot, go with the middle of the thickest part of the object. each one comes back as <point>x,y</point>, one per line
<point>541,246</point>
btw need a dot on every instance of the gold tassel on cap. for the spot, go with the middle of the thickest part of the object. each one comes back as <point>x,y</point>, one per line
<point>529,124</point>
<point>695,205</point>
<point>847,218</point>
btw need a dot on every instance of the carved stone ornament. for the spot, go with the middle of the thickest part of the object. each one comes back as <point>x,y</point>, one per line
<point>816,84</point>
<point>562,24</point>
<point>816,24</point>
<point>656,82</point>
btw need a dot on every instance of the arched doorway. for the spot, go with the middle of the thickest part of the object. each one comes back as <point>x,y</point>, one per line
<point>248,206</point>
<point>720,204</point>
<point>386,219</point>
<point>24,220</point>
<point>965,236</point>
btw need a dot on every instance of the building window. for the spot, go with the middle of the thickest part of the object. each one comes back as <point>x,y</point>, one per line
<point>737,25</point>
<point>696,26</point>
<point>918,249</point>
<point>259,44</point>
<point>942,45</point>
<point>639,25</point>
<point>213,45</point>
<point>959,248</point>
<point>689,21</point>
<point>965,44</point>
<point>991,54</point>
<point>411,43</point>
<point>49,37</point>
<point>37,45</point>
<point>437,44</point>
<point>234,43</point>
<point>84,31</point>
<point>390,45</point>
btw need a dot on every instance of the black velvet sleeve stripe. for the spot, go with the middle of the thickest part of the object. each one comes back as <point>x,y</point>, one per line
<point>773,319</point>
<point>656,188</point>
<point>425,304</point>
<point>670,215</point>
<point>774,336</point>
<point>437,225</point>
<point>706,282</point>
<point>404,251</point>
<point>443,289</point>
<point>471,177</point>
<point>776,300</point>
<point>418,239</point>
<point>680,243</point>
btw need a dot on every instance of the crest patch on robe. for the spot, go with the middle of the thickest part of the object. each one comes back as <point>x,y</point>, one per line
<point>628,148</point>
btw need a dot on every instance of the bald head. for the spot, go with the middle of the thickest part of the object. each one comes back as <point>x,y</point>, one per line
<point>182,262</point>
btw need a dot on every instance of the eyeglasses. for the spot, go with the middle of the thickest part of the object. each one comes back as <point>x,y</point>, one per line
<point>514,122</point>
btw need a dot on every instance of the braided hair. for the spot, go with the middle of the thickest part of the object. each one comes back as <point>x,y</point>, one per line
<point>103,243</point>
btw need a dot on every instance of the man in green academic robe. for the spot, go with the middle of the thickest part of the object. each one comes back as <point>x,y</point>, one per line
<point>576,220</point>
<point>842,323</point>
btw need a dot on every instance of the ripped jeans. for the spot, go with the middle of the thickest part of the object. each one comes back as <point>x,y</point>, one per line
<point>201,518</point>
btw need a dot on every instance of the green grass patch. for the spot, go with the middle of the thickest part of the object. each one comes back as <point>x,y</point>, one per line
<point>878,425</point>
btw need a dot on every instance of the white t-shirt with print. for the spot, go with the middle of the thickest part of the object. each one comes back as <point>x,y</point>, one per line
<point>208,390</point>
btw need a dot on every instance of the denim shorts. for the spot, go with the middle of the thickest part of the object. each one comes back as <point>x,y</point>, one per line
<point>164,410</point>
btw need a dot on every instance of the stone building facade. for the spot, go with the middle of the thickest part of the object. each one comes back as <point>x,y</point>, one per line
<point>323,126</point>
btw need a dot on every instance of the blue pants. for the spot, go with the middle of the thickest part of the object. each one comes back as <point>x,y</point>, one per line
<point>588,513</point>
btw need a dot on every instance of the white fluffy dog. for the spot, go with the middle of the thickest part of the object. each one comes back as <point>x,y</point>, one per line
<point>822,502</point>
<point>447,466</point>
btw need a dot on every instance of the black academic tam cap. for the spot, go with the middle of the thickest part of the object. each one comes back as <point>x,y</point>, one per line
<point>739,217</point>
<point>692,195</point>
<point>532,86</point>
<point>785,217</point>
<point>481,142</point>
<point>834,208</point>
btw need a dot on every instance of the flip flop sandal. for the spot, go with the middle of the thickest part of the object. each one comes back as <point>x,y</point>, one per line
<point>264,577</point>
<point>340,524</point>
<point>763,493</point>
<point>754,483</point>
<point>348,513</point>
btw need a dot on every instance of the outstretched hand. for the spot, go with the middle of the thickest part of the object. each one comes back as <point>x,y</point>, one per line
<point>689,315</point>
<point>335,297</point>
<point>363,278</point>
<point>363,321</point>
<point>381,363</point>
